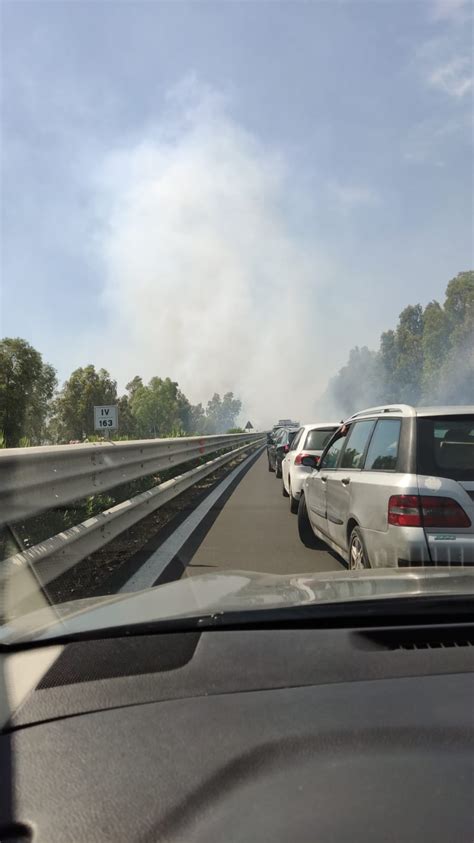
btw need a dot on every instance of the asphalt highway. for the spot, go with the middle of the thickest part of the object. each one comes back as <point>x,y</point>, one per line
<point>254,530</point>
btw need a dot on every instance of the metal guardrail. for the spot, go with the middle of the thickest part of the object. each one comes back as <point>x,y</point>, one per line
<point>26,574</point>
<point>33,480</point>
<point>59,553</point>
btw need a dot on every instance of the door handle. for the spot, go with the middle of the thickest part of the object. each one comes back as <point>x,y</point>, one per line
<point>345,481</point>
<point>324,478</point>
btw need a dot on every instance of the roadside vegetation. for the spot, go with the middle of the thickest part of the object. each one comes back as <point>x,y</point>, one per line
<point>427,359</point>
<point>33,411</point>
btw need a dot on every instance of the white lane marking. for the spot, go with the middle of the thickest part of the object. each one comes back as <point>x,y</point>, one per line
<point>160,559</point>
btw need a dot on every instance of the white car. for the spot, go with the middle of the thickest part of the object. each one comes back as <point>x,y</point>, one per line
<point>310,440</point>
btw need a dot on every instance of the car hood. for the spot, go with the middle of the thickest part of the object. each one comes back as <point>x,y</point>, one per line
<point>235,591</point>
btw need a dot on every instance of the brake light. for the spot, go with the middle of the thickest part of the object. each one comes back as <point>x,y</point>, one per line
<point>426,511</point>
<point>404,511</point>
<point>443,512</point>
<point>299,458</point>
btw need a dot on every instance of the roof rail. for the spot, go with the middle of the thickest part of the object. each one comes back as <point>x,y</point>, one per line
<point>401,409</point>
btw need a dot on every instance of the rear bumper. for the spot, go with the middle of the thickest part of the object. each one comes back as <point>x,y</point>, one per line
<point>451,549</point>
<point>397,546</point>
<point>298,475</point>
<point>410,547</point>
<point>442,563</point>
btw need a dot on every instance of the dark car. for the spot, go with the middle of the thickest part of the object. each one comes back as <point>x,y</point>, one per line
<point>272,438</point>
<point>278,448</point>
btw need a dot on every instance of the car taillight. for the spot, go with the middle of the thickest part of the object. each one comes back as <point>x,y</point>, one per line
<point>425,511</point>
<point>299,458</point>
<point>404,511</point>
<point>443,512</point>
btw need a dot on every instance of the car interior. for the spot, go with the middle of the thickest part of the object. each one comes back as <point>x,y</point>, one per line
<point>322,730</point>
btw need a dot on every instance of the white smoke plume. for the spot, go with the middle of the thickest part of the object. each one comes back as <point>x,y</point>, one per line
<point>206,281</point>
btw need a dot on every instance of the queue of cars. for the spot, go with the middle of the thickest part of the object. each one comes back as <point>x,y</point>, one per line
<point>391,486</point>
<point>278,446</point>
<point>309,441</point>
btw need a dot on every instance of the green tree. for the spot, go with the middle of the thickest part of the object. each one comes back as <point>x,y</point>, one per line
<point>212,415</point>
<point>389,386</point>
<point>156,408</point>
<point>73,416</point>
<point>198,419</point>
<point>26,388</point>
<point>436,343</point>
<point>409,349</point>
<point>429,356</point>
<point>185,413</point>
<point>39,408</point>
<point>459,304</point>
<point>356,384</point>
<point>221,413</point>
<point>231,408</point>
<point>133,385</point>
<point>127,421</point>
<point>456,376</point>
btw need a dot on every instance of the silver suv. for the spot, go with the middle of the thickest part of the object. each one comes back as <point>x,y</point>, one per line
<point>395,486</point>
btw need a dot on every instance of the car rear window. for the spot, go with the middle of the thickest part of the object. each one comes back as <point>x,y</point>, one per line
<point>445,447</point>
<point>317,439</point>
<point>296,439</point>
<point>286,437</point>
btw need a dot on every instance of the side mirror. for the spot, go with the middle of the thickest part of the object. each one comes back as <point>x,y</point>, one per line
<point>310,461</point>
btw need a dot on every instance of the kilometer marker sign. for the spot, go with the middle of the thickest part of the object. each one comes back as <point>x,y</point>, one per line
<point>106,417</point>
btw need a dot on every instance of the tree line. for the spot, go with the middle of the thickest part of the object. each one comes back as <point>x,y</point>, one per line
<point>427,359</point>
<point>34,412</point>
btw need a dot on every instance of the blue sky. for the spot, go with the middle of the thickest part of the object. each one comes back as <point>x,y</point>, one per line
<point>233,193</point>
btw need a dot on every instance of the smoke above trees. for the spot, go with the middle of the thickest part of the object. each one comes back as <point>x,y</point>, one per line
<point>427,359</point>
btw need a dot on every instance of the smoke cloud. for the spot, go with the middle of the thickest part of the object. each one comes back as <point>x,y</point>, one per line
<point>206,279</point>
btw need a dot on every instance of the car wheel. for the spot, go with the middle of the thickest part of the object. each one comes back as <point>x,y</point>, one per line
<point>305,531</point>
<point>283,490</point>
<point>294,502</point>
<point>278,471</point>
<point>358,559</point>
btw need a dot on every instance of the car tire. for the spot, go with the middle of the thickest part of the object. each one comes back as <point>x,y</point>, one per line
<point>358,559</point>
<point>283,490</point>
<point>278,471</point>
<point>305,531</point>
<point>294,502</point>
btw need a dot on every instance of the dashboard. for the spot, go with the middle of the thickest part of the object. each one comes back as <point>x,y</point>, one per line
<point>245,735</point>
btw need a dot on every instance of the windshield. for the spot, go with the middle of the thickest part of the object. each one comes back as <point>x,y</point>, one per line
<point>237,310</point>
